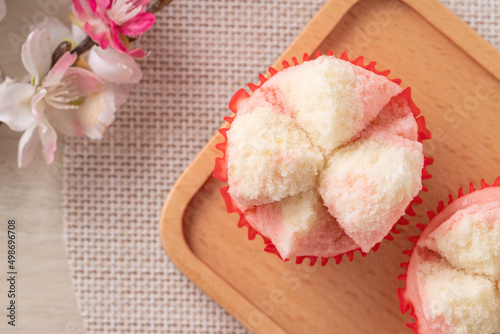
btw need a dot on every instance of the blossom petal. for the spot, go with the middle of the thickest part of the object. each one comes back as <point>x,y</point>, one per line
<point>6,82</point>
<point>118,45</point>
<point>3,9</point>
<point>15,107</point>
<point>58,31</point>
<point>99,7</point>
<point>82,9</point>
<point>99,34</point>
<point>78,33</point>
<point>38,105</point>
<point>137,53</point>
<point>57,72</point>
<point>115,41</point>
<point>28,145</point>
<point>36,53</point>
<point>66,121</point>
<point>97,113</point>
<point>79,8</point>
<point>103,5</point>
<point>136,26</point>
<point>113,66</point>
<point>93,5</point>
<point>84,81</point>
<point>48,137</point>
<point>121,93</point>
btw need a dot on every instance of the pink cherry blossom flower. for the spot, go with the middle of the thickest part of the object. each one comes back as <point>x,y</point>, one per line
<point>108,22</point>
<point>66,98</point>
<point>109,65</point>
<point>113,66</point>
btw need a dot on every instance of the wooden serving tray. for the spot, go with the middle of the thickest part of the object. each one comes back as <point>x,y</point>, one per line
<point>454,75</point>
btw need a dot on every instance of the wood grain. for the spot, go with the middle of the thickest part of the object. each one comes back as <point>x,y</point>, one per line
<point>454,75</point>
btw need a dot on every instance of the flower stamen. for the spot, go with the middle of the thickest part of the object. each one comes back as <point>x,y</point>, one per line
<point>122,11</point>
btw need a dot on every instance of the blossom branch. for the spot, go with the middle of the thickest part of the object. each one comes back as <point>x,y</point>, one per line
<point>83,99</point>
<point>84,46</point>
<point>88,43</point>
<point>158,5</point>
<point>60,51</point>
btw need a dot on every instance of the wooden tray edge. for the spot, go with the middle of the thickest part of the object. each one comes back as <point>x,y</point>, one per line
<point>459,32</point>
<point>176,247</point>
<point>184,189</point>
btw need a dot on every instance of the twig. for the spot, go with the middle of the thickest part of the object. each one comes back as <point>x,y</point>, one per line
<point>60,51</point>
<point>84,46</point>
<point>158,5</point>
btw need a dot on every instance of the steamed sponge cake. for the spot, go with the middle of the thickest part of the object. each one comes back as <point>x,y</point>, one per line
<point>470,240</point>
<point>457,302</point>
<point>323,158</point>
<point>397,118</point>
<point>453,276</point>
<point>267,154</point>
<point>301,225</point>
<point>368,184</point>
<point>331,99</point>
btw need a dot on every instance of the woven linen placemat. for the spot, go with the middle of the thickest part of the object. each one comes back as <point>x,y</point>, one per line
<point>201,53</point>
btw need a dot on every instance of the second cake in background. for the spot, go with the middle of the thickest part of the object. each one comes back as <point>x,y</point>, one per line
<point>453,274</point>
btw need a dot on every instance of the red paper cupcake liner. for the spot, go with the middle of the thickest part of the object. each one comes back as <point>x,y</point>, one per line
<point>220,170</point>
<point>404,304</point>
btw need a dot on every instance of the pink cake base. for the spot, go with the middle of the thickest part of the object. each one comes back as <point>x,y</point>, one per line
<point>409,297</point>
<point>220,170</point>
